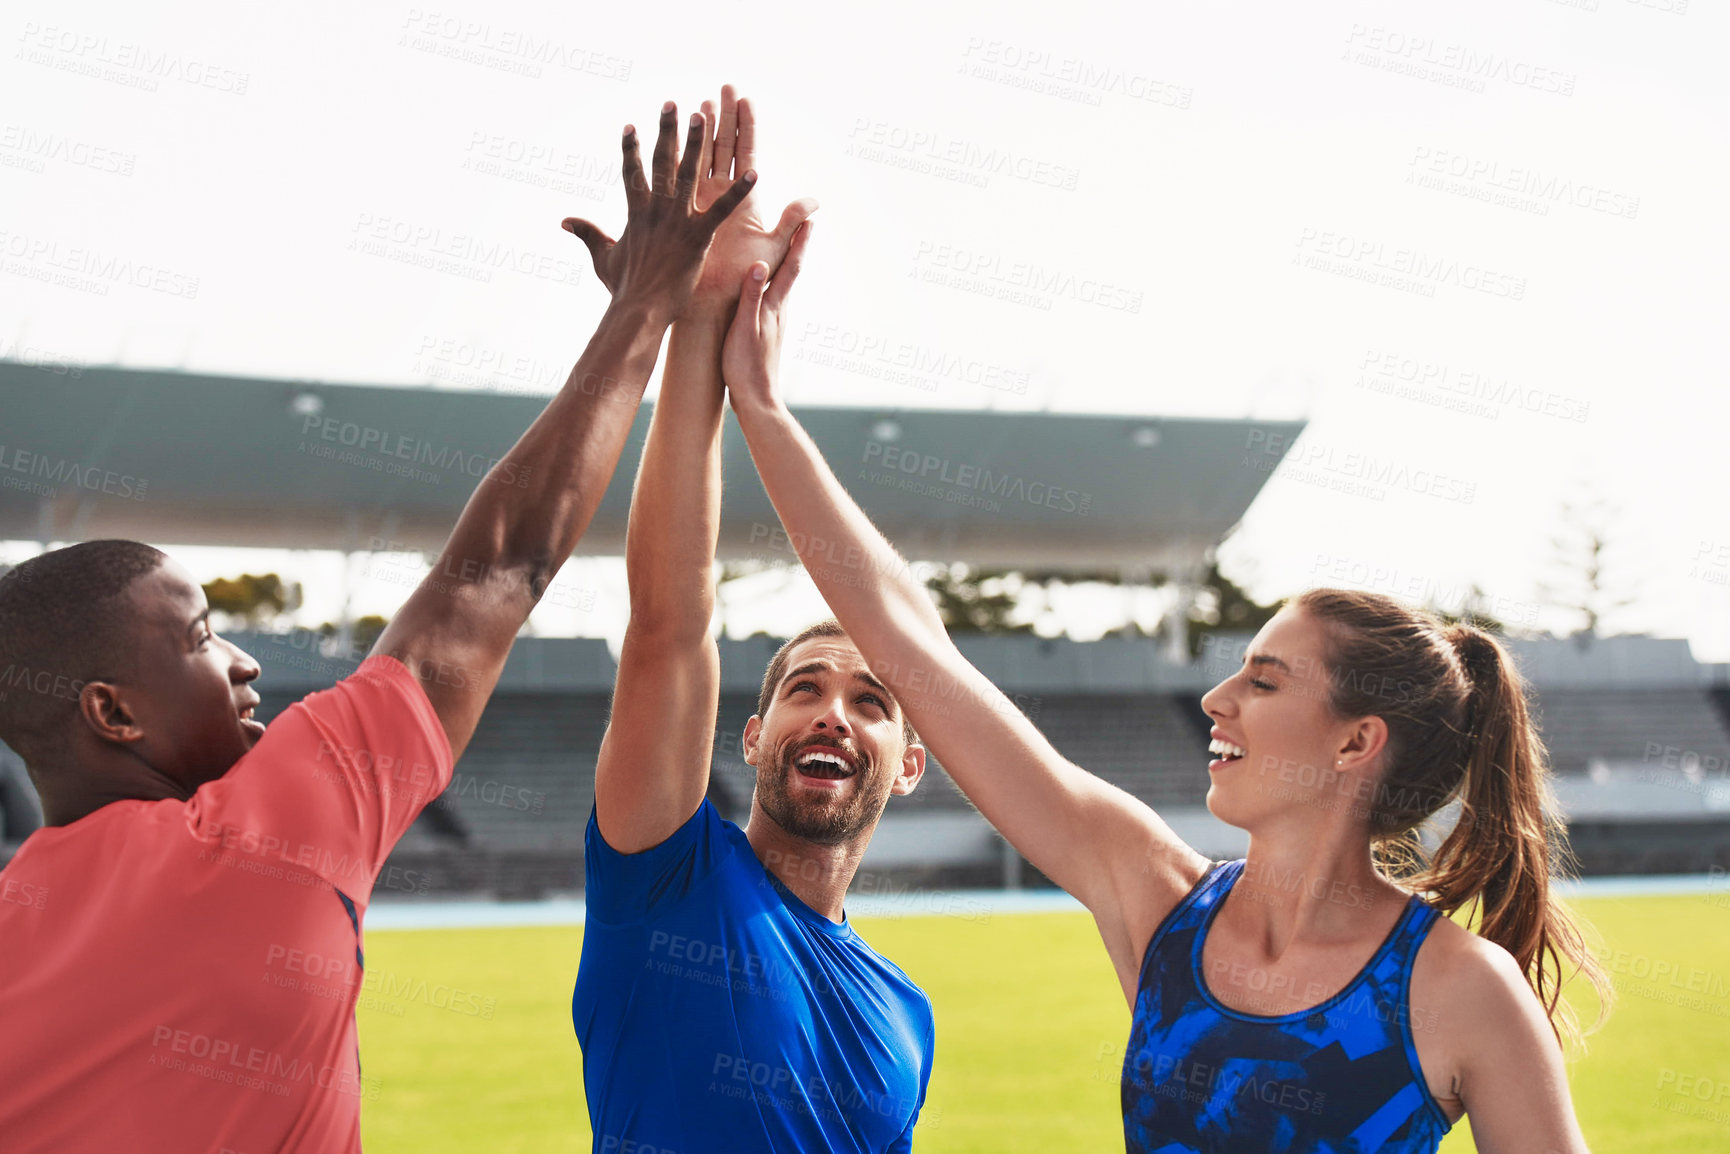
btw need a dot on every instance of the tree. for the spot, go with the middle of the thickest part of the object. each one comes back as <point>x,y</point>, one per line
<point>974,600</point>
<point>1473,612</point>
<point>254,601</point>
<point>1222,606</point>
<point>362,633</point>
<point>1584,580</point>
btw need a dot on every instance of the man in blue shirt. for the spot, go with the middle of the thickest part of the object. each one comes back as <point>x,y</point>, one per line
<point>724,1001</point>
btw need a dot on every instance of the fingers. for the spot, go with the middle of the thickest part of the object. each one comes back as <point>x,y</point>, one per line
<point>725,131</point>
<point>792,217</point>
<point>636,184</point>
<point>789,270</point>
<point>751,297</point>
<point>686,190</point>
<point>706,163</point>
<point>745,152</point>
<point>598,241</point>
<point>729,200</point>
<point>666,150</point>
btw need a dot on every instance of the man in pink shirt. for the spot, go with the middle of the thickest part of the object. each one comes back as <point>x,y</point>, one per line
<point>180,945</point>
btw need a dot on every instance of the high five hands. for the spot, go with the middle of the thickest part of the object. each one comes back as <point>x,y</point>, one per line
<point>658,260</point>
<point>690,238</point>
<point>750,359</point>
<point>742,239</point>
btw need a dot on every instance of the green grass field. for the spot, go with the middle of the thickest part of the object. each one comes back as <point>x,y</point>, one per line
<point>1030,1030</point>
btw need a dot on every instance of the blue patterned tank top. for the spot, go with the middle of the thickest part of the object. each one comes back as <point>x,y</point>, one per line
<point>1339,1078</point>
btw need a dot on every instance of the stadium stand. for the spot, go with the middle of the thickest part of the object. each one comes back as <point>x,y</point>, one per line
<point>20,815</point>
<point>1637,734</point>
<point>1584,726</point>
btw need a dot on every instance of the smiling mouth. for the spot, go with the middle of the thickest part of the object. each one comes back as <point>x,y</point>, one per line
<point>824,765</point>
<point>249,723</point>
<point>1225,753</point>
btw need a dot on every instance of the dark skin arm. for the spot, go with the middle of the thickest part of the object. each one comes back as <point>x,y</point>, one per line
<point>456,629</point>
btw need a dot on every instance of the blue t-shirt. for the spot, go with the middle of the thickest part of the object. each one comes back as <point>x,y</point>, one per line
<point>717,1011</point>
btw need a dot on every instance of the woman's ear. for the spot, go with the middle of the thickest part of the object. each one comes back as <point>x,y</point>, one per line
<point>1364,744</point>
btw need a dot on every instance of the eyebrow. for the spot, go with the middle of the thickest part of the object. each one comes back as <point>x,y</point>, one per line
<point>825,667</point>
<point>1269,659</point>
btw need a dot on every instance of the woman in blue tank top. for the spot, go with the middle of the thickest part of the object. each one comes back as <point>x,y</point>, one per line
<point>1307,998</point>
<point>1312,998</point>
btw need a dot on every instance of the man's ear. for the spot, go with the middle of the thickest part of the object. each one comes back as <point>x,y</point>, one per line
<point>103,709</point>
<point>753,734</point>
<point>912,770</point>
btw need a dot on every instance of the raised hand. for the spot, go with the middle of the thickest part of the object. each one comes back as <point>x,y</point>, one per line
<point>658,259</point>
<point>751,358</point>
<point>742,238</point>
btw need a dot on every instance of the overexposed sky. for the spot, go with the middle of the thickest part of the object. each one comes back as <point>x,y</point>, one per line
<point>1479,245</point>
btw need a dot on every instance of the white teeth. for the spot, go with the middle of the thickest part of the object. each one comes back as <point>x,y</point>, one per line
<point>1226,748</point>
<point>828,758</point>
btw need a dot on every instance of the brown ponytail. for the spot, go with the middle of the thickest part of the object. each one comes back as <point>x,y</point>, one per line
<point>1459,727</point>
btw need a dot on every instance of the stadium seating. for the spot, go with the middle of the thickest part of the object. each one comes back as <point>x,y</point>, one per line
<point>1631,725</point>
<point>512,822</point>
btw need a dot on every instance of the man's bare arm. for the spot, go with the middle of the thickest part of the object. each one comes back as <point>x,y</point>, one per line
<point>527,514</point>
<point>653,768</point>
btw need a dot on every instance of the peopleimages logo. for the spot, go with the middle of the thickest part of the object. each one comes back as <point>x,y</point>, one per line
<point>368,439</point>
<point>43,471</point>
<point>88,269</point>
<point>932,151</point>
<point>1018,282</point>
<point>929,469</point>
<point>238,1063</point>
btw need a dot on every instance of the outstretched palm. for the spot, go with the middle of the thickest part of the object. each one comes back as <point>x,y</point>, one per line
<point>743,238</point>
<point>659,257</point>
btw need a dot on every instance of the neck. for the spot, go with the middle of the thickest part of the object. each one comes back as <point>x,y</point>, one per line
<point>93,779</point>
<point>1314,886</point>
<point>58,811</point>
<point>817,874</point>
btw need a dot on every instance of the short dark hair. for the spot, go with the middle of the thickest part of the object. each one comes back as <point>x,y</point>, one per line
<point>58,629</point>
<point>778,668</point>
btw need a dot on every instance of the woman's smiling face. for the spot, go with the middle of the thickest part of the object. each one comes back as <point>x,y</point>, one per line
<point>1277,740</point>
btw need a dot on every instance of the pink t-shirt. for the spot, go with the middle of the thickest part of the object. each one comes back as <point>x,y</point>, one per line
<point>182,975</point>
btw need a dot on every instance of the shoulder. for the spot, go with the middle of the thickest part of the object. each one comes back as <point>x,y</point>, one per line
<point>1474,990</point>
<point>1174,884</point>
<point>911,991</point>
<point>734,835</point>
<point>1498,1055</point>
<point>896,981</point>
<point>382,700</point>
<point>379,673</point>
<point>1464,965</point>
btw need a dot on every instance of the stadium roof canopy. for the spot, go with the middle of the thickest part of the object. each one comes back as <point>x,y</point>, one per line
<point>182,459</point>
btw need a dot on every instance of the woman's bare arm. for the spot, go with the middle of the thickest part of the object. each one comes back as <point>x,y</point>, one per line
<point>1095,840</point>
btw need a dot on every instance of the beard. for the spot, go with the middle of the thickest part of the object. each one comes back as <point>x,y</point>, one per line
<point>821,820</point>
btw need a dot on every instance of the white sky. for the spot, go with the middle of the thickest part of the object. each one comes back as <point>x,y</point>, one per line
<point>1235,169</point>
